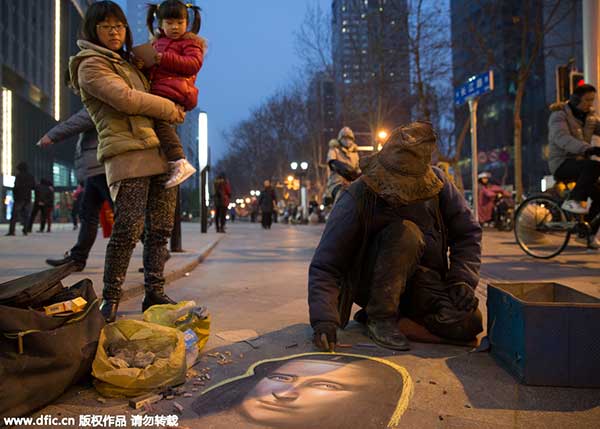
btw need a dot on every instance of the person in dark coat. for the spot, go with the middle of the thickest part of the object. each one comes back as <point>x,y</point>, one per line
<point>42,204</point>
<point>222,196</point>
<point>95,187</point>
<point>24,184</point>
<point>399,241</point>
<point>267,202</point>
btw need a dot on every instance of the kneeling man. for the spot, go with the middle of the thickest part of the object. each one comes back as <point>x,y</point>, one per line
<point>400,241</point>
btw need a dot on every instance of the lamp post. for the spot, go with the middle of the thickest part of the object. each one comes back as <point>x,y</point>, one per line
<point>301,171</point>
<point>204,168</point>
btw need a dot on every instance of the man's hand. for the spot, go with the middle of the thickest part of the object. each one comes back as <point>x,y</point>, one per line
<point>45,141</point>
<point>591,151</point>
<point>463,296</point>
<point>325,336</point>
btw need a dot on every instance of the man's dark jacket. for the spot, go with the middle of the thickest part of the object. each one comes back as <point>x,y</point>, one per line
<point>453,243</point>
<point>86,158</point>
<point>266,200</point>
<point>24,184</point>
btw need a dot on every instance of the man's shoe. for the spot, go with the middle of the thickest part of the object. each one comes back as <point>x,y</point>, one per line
<point>385,333</point>
<point>181,170</point>
<point>155,298</point>
<point>9,234</point>
<point>79,265</point>
<point>575,207</point>
<point>109,310</point>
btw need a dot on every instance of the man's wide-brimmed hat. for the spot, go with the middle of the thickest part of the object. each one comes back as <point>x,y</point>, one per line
<point>401,172</point>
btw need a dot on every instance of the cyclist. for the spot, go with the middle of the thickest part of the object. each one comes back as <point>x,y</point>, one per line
<point>570,128</point>
<point>342,159</point>
<point>487,199</point>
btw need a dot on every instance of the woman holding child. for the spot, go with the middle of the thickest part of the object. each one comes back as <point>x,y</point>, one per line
<point>115,93</point>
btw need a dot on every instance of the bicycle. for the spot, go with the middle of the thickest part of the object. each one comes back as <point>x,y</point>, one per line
<point>543,229</point>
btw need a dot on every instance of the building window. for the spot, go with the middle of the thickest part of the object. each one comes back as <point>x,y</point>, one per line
<point>60,174</point>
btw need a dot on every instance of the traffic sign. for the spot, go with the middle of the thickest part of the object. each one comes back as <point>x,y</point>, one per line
<point>474,87</point>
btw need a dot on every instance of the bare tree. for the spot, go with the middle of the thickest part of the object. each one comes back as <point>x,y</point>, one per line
<point>261,146</point>
<point>532,21</point>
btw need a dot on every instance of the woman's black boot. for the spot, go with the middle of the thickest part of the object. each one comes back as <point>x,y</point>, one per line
<point>155,297</point>
<point>108,308</point>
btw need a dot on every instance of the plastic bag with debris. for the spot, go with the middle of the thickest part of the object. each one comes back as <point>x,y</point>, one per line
<point>134,357</point>
<point>183,316</point>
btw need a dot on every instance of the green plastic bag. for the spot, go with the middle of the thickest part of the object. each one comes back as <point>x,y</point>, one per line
<point>182,316</point>
<point>111,381</point>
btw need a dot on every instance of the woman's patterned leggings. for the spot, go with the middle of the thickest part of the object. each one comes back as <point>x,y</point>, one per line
<point>142,205</point>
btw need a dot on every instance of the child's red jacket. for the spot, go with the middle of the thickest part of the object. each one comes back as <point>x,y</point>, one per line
<point>175,77</point>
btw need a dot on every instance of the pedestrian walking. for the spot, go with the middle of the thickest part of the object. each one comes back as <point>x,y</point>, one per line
<point>115,92</point>
<point>267,201</point>
<point>385,247</point>
<point>95,189</point>
<point>43,204</point>
<point>222,196</point>
<point>179,58</point>
<point>24,184</point>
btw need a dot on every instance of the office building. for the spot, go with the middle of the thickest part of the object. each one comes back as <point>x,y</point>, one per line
<point>38,37</point>
<point>370,40</point>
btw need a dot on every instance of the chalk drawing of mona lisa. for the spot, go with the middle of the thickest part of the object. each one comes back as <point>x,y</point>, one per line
<point>310,390</point>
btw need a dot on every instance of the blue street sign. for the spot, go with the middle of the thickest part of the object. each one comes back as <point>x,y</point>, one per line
<point>474,87</point>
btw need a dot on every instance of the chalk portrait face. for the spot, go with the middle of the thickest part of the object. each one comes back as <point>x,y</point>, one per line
<point>315,390</point>
<point>305,390</point>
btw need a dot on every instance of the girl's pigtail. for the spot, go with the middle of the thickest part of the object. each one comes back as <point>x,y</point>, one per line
<point>152,8</point>
<point>197,23</point>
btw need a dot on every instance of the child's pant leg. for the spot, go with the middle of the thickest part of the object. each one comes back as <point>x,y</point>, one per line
<point>169,140</point>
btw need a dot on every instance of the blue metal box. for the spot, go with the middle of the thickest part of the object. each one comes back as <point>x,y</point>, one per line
<point>546,334</point>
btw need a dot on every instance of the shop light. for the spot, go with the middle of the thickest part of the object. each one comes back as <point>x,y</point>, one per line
<point>57,67</point>
<point>7,136</point>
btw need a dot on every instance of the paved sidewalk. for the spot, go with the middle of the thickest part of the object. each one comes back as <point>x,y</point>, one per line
<point>21,255</point>
<point>503,260</point>
<point>256,280</point>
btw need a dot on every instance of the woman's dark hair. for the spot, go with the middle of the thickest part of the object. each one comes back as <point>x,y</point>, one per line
<point>98,12</point>
<point>229,396</point>
<point>584,89</point>
<point>173,9</point>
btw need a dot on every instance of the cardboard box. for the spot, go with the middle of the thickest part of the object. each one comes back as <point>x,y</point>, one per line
<point>73,306</point>
<point>546,334</point>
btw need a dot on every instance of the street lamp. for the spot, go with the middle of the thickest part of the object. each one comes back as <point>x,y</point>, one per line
<point>257,193</point>
<point>252,193</point>
<point>303,197</point>
<point>382,135</point>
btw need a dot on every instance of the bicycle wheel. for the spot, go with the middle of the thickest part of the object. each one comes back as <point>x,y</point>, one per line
<point>542,228</point>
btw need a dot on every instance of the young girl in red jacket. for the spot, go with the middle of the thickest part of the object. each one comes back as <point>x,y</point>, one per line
<point>180,53</point>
